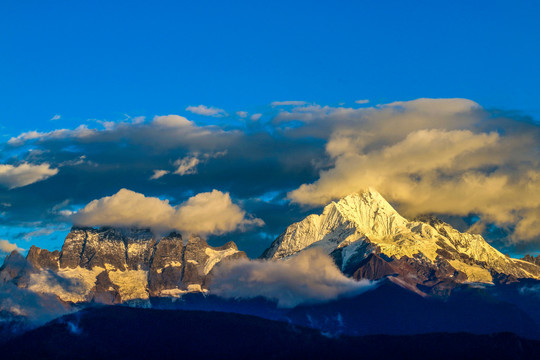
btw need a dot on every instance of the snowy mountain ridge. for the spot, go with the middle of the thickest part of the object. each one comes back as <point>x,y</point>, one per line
<point>364,223</point>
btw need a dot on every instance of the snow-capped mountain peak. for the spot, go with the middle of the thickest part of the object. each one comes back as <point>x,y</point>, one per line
<point>340,223</point>
<point>364,223</point>
<point>371,213</point>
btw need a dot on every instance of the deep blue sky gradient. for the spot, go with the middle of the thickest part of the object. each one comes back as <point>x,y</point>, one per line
<point>103,59</point>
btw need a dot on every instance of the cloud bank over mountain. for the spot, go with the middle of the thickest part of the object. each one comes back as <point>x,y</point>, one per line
<point>204,214</point>
<point>310,277</point>
<point>434,156</point>
<point>444,156</point>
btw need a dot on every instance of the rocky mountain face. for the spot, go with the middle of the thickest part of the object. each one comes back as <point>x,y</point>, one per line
<point>368,238</point>
<point>532,259</point>
<point>111,265</point>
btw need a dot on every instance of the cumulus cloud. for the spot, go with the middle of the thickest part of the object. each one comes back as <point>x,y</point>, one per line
<point>207,111</point>
<point>309,277</point>
<point>24,174</point>
<point>365,101</point>
<point>288,103</point>
<point>434,156</point>
<point>7,247</point>
<point>212,213</point>
<point>242,114</point>
<point>56,117</point>
<point>172,121</point>
<point>205,213</point>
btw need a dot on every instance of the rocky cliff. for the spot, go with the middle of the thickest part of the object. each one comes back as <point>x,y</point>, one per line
<point>532,259</point>
<point>110,265</point>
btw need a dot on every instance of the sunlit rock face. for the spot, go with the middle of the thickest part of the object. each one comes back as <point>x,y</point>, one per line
<point>43,259</point>
<point>122,249</point>
<point>166,269</point>
<point>110,265</point>
<point>368,238</point>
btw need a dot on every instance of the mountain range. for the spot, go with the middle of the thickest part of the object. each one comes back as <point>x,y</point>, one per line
<point>423,267</point>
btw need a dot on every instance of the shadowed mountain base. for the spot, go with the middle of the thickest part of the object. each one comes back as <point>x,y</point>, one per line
<point>127,333</point>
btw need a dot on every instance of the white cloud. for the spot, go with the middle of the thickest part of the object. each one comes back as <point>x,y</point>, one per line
<point>365,101</point>
<point>158,174</point>
<point>66,213</point>
<point>205,213</point>
<point>531,290</point>
<point>442,156</point>
<point>207,111</point>
<point>41,232</point>
<point>74,162</point>
<point>80,132</point>
<point>7,247</point>
<point>24,174</point>
<point>242,114</point>
<point>162,132</point>
<point>186,165</point>
<point>36,308</point>
<point>56,117</point>
<point>137,120</point>
<point>309,277</point>
<point>172,121</point>
<point>212,213</point>
<point>288,103</point>
<point>255,117</point>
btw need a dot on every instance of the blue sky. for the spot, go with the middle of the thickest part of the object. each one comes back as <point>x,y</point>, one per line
<point>102,59</point>
<point>66,64</point>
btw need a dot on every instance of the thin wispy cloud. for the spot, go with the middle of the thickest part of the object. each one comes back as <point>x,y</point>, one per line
<point>256,117</point>
<point>158,174</point>
<point>187,165</point>
<point>288,103</point>
<point>80,132</point>
<point>207,111</point>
